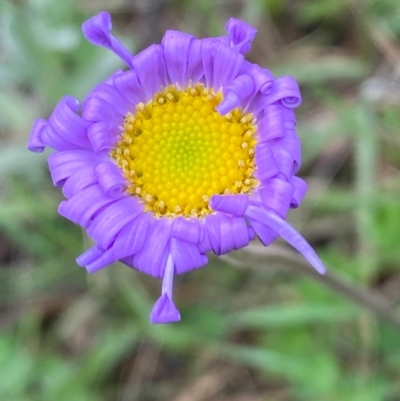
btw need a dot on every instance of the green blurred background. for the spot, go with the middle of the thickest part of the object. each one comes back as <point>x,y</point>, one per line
<point>257,324</point>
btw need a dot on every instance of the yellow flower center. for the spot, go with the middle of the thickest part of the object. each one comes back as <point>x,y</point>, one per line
<point>177,151</point>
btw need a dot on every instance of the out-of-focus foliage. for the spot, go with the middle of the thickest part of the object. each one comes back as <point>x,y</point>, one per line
<point>254,325</point>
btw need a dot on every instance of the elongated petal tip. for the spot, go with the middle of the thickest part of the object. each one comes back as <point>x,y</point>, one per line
<point>97,29</point>
<point>36,143</point>
<point>164,311</point>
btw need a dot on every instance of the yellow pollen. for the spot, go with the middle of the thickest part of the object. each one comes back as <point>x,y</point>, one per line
<point>177,151</point>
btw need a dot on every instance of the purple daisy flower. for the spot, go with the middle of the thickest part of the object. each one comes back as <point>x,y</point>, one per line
<point>192,149</point>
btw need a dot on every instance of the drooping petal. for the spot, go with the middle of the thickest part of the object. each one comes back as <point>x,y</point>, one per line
<point>97,30</point>
<point>186,256</point>
<point>128,242</point>
<point>150,259</point>
<point>288,233</point>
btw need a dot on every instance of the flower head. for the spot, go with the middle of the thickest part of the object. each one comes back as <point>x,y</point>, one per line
<point>192,149</point>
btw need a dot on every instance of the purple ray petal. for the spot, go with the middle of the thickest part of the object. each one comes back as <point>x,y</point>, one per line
<point>285,162</point>
<point>111,179</point>
<point>186,229</point>
<point>176,47</point>
<point>300,189</point>
<point>111,95</point>
<point>266,234</point>
<point>289,143</point>
<point>186,256</point>
<point>146,65</point>
<point>77,182</point>
<point>96,109</point>
<point>270,125</point>
<point>240,34</point>
<point>234,234</point>
<point>276,195</point>
<point>63,164</point>
<point>288,233</point>
<point>221,65</point>
<point>235,205</point>
<point>36,143</point>
<point>113,219</point>
<point>150,258</point>
<point>242,87</point>
<point>97,31</point>
<point>194,69</point>
<point>81,207</point>
<point>128,86</point>
<point>164,311</point>
<point>103,137</point>
<point>265,161</point>
<point>90,255</point>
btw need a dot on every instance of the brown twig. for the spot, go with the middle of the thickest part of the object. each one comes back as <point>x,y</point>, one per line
<point>255,256</point>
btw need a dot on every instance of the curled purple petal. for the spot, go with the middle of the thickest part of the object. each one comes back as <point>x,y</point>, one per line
<point>270,125</point>
<point>235,205</point>
<point>97,30</point>
<point>276,195</point>
<point>266,164</point>
<point>240,35</point>
<point>106,225</point>
<point>300,189</point>
<point>111,179</point>
<point>287,91</point>
<point>36,143</point>
<point>111,95</point>
<point>80,180</point>
<point>288,233</point>
<point>96,109</point>
<point>102,136</point>
<point>82,206</point>
<point>242,87</point>
<point>63,164</point>
<point>89,256</point>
